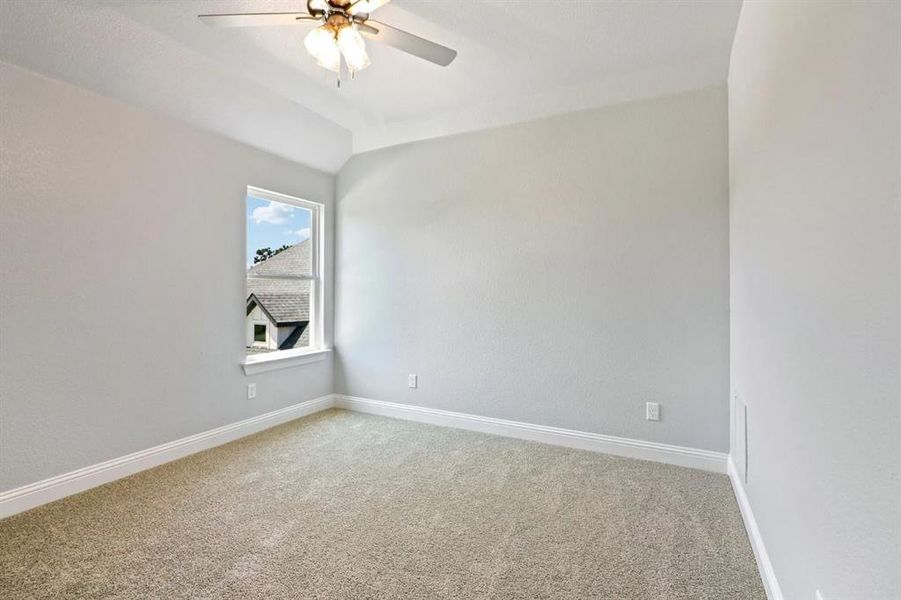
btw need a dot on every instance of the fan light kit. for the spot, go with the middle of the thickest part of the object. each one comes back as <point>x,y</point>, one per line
<point>338,35</point>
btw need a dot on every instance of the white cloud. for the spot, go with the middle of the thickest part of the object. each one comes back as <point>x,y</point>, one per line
<point>303,234</point>
<point>274,213</point>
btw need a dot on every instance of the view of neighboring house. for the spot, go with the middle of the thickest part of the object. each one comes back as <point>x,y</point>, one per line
<point>278,308</point>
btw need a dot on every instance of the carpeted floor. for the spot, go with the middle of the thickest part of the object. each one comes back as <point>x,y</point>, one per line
<point>344,505</point>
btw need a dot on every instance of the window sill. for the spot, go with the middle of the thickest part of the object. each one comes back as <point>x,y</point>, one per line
<point>283,359</point>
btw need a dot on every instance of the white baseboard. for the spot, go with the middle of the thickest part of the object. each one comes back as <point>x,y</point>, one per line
<point>35,494</point>
<point>596,442</point>
<point>767,574</point>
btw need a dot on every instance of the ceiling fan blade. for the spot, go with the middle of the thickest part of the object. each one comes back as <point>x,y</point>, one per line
<point>409,43</point>
<point>255,19</point>
<point>360,7</point>
<point>365,28</point>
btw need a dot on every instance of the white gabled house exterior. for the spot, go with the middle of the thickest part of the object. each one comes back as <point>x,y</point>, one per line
<point>266,332</point>
<point>278,307</point>
<point>260,328</point>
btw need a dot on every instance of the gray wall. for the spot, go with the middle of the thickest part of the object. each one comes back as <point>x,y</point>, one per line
<point>122,268</point>
<point>560,272</point>
<point>816,288</point>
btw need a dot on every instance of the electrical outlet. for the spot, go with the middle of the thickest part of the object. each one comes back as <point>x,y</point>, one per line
<point>412,380</point>
<point>652,411</point>
<point>251,391</point>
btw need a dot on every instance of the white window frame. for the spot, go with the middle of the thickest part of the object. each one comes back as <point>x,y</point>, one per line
<point>257,363</point>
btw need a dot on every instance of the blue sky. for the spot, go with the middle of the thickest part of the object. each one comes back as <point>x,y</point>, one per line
<point>273,224</point>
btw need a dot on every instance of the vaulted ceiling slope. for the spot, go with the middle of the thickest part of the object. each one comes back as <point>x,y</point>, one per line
<point>518,60</point>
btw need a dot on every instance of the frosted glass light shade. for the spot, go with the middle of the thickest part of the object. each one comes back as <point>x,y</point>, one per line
<point>321,45</point>
<point>353,48</point>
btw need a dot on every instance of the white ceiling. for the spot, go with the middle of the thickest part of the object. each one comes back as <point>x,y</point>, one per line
<point>518,60</point>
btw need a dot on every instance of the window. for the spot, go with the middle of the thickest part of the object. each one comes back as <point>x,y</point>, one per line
<point>284,288</point>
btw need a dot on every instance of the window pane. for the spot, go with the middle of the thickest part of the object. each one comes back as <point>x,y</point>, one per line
<point>278,239</point>
<point>279,249</point>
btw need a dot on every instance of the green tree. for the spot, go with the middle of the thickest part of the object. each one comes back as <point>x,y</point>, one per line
<point>267,253</point>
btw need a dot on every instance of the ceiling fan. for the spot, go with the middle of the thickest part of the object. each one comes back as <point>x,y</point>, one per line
<point>341,23</point>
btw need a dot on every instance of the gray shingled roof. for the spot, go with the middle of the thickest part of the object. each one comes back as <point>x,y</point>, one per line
<point>296,260</point>
<point>286,300</point>
<point>284,308</point>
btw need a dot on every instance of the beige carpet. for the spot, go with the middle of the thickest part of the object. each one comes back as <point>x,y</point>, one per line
<point>343,505</point>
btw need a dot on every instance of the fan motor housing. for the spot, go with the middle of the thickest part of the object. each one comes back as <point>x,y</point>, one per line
<point>337,7</point>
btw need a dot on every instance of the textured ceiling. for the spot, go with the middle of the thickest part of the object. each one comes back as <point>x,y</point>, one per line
<point>518,60</point>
